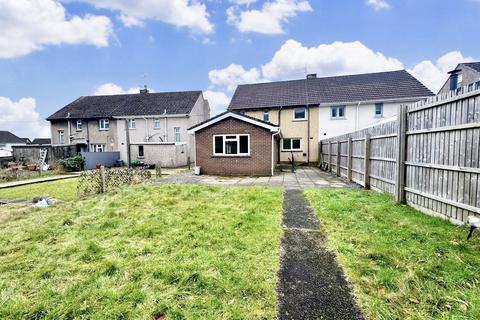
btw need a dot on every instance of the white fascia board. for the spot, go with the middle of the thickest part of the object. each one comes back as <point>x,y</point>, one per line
<point>236,116</point>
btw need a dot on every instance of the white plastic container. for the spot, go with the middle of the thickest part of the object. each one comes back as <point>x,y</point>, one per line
<point>196,170</point>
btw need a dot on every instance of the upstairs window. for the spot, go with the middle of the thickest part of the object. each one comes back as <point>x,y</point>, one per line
<point>176,131</point>
<point>378,110</point>
<point>300,114</point>
<point>338,112</point>
<point>104,124</point>
<point>291,144</point>
<point>61,137</point>
<point>131,123</point>
<point>266,116</point>
<point>79,125</point>
<point>156,123</point>
<point>231,145</point>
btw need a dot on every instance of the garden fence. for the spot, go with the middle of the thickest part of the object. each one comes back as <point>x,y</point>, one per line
<point>429,157</point>
<point>103,180</point>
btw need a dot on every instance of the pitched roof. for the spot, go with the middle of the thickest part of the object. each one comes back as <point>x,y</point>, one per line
<point>139,104</point>
<point>231,114</point>
<point>42,141</point>
<point>8,137</point>
<point>350,88</point>
<point>474,65</point>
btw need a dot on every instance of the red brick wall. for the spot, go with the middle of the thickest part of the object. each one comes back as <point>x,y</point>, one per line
<point>259,163</point>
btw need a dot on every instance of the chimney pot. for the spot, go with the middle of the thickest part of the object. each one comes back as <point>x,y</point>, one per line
<point>312,76</point>
<point>144,90</point>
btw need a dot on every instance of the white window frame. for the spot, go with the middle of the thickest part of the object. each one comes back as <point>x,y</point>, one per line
<point>104,124</point>
<point>300,119</point>
<point>97,146</point>
<point>291,144</point>
<point>157,121</point>
<point>131,124</point>
<point>61,136</point>
<point>177,135</point>
<point>79,125</point>
<point>337,108</point>
<point>266,116</point>
<point>375,110</point>
<point>237,139</point>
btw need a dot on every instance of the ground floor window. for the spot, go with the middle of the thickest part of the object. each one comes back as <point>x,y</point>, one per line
<point>61,137</point>
<point>231,145</point>
<point>98,147</point>
<point>291,144</point>
<point>141,152</point>
<point>177,134</point>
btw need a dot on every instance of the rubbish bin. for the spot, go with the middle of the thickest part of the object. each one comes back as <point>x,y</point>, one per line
<point>196,171</point>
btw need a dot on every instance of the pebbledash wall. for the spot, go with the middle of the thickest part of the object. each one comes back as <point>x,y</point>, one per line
<point>258,163</point>
<point>428,158</point>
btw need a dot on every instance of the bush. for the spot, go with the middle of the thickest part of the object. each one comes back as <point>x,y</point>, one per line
<point>73,163</point>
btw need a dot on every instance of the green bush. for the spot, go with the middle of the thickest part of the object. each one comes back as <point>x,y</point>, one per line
<point>73,163</point>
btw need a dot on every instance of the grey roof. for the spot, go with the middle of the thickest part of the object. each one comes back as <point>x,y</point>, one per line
<point>140,104</point>
<point>351,88</point>
<point>225,112</point>
<point>8,137</point>
<point>474,65</point>
<point>42,141</point>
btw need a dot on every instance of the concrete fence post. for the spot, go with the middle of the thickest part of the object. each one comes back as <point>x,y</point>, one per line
<point>338,157</point>
<point>366,177</point>
<point>329,156</point>
<point>349,159</point>
<point>401,154</point>
<point>158,170</point>
<point>103,179</point>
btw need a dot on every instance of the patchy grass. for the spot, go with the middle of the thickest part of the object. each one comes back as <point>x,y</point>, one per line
<point>403,263</point>
<point>185,251</point>
<point>61,189</point>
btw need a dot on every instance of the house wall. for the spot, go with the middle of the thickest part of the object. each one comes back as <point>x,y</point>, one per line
<point>259,163</point>
<point>168,155</point>
<point>6,149</point>
<point>468,76</point>
<point>295,129</point>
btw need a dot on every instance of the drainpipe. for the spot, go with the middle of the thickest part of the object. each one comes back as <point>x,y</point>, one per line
<point>127,136</point>
<point>273,152</point>
<point>69,132</point>
<point>356,115</point>
<point>308,134</point>
<point>279,125</point>
<point>146,129</point>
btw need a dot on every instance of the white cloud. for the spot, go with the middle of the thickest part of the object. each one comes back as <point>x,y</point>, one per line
<point>378,4</point>
<point>218,101</point>
<point>28,26</point>
<point>269,19</point>
<point>243,2</point>
<point>22,119</point>
<point>232,76</point>
<point>433,74</point>
<point>181,13</point>
<point>112,88</point>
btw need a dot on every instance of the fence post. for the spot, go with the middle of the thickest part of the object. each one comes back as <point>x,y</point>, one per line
<point>158,170</point>
<point>103,180</point>
<point>188,162</point>
<point>338,158</point>
<point>349,159</point>
<point>366,176</point>
<point>329,156</point>
<point>401,154</point>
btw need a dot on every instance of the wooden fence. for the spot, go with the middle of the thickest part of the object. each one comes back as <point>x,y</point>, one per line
<point>429,157</point>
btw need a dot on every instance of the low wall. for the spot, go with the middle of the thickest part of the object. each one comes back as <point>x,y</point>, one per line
<point>107,159</point>
<point>169,155</point>
<point>31,153</point>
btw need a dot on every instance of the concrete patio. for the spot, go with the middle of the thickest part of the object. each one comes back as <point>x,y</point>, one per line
<point>304,177</point>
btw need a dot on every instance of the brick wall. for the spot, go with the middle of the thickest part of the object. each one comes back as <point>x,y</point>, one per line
<point>259,163</point>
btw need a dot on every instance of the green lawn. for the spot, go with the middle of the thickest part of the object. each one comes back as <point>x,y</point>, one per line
<point>403,263</point>
<point>189,252</point>
<point>60,189</point>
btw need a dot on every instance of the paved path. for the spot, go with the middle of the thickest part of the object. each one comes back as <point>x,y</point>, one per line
<point>37,180</point>
<point>305,177</point>
<point>311,282</point>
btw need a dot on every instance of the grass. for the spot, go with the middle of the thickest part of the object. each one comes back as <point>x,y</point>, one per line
<point>61,189</point>
<point>185,251</point>
<point>403,263</point>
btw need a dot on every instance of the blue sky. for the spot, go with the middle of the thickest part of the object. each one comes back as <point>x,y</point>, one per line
<point>52,52</point>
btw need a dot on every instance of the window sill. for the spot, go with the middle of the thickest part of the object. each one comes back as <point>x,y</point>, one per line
<point>378,117</point>
<point>231,156</point>
<point>339,118</point>
<point>291,150</point>
<point>299,120</point>
<point>104,129</point>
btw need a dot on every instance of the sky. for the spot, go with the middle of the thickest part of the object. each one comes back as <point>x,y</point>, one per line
<point>54,51</point>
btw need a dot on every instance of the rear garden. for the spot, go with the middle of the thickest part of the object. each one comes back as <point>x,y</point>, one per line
<point>205,252</point>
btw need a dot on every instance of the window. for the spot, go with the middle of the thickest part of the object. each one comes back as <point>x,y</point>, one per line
<point>131,123</point>
<point>177,134</point>
<point>300,114</point>
<point>104,124</point>
<point>266,116</point>
<point>61,137</point>
<point>79,125</point>
<point>98,147</point>
<point>231,145</point>
<point>378,110</point>
<point>156,123</point>
<point>338,112</point>
<point>141,152</point>
<point>291,144</point>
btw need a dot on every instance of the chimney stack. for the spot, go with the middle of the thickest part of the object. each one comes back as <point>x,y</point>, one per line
<point>312,76</point>
<point>144,90</point>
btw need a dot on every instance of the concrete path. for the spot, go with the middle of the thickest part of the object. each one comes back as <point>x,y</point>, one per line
<point>312,284</point>
<point>304,177</point>
<point>37,180</point>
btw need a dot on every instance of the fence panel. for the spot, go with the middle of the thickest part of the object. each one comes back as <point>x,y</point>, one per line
<point>428,157</point>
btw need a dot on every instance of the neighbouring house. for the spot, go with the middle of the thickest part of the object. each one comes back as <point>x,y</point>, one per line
<point>150,127</point>
<point>236,144</point>
<point>7,141</point>
<point>464,74</point>
<point>42,141</point>
<point>312,109</point>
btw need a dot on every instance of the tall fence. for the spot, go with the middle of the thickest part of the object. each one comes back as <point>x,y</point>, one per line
<point>429,157</point>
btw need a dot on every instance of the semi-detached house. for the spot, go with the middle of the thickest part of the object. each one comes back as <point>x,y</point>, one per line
<point>150,127</point>
<point>312,109</point>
